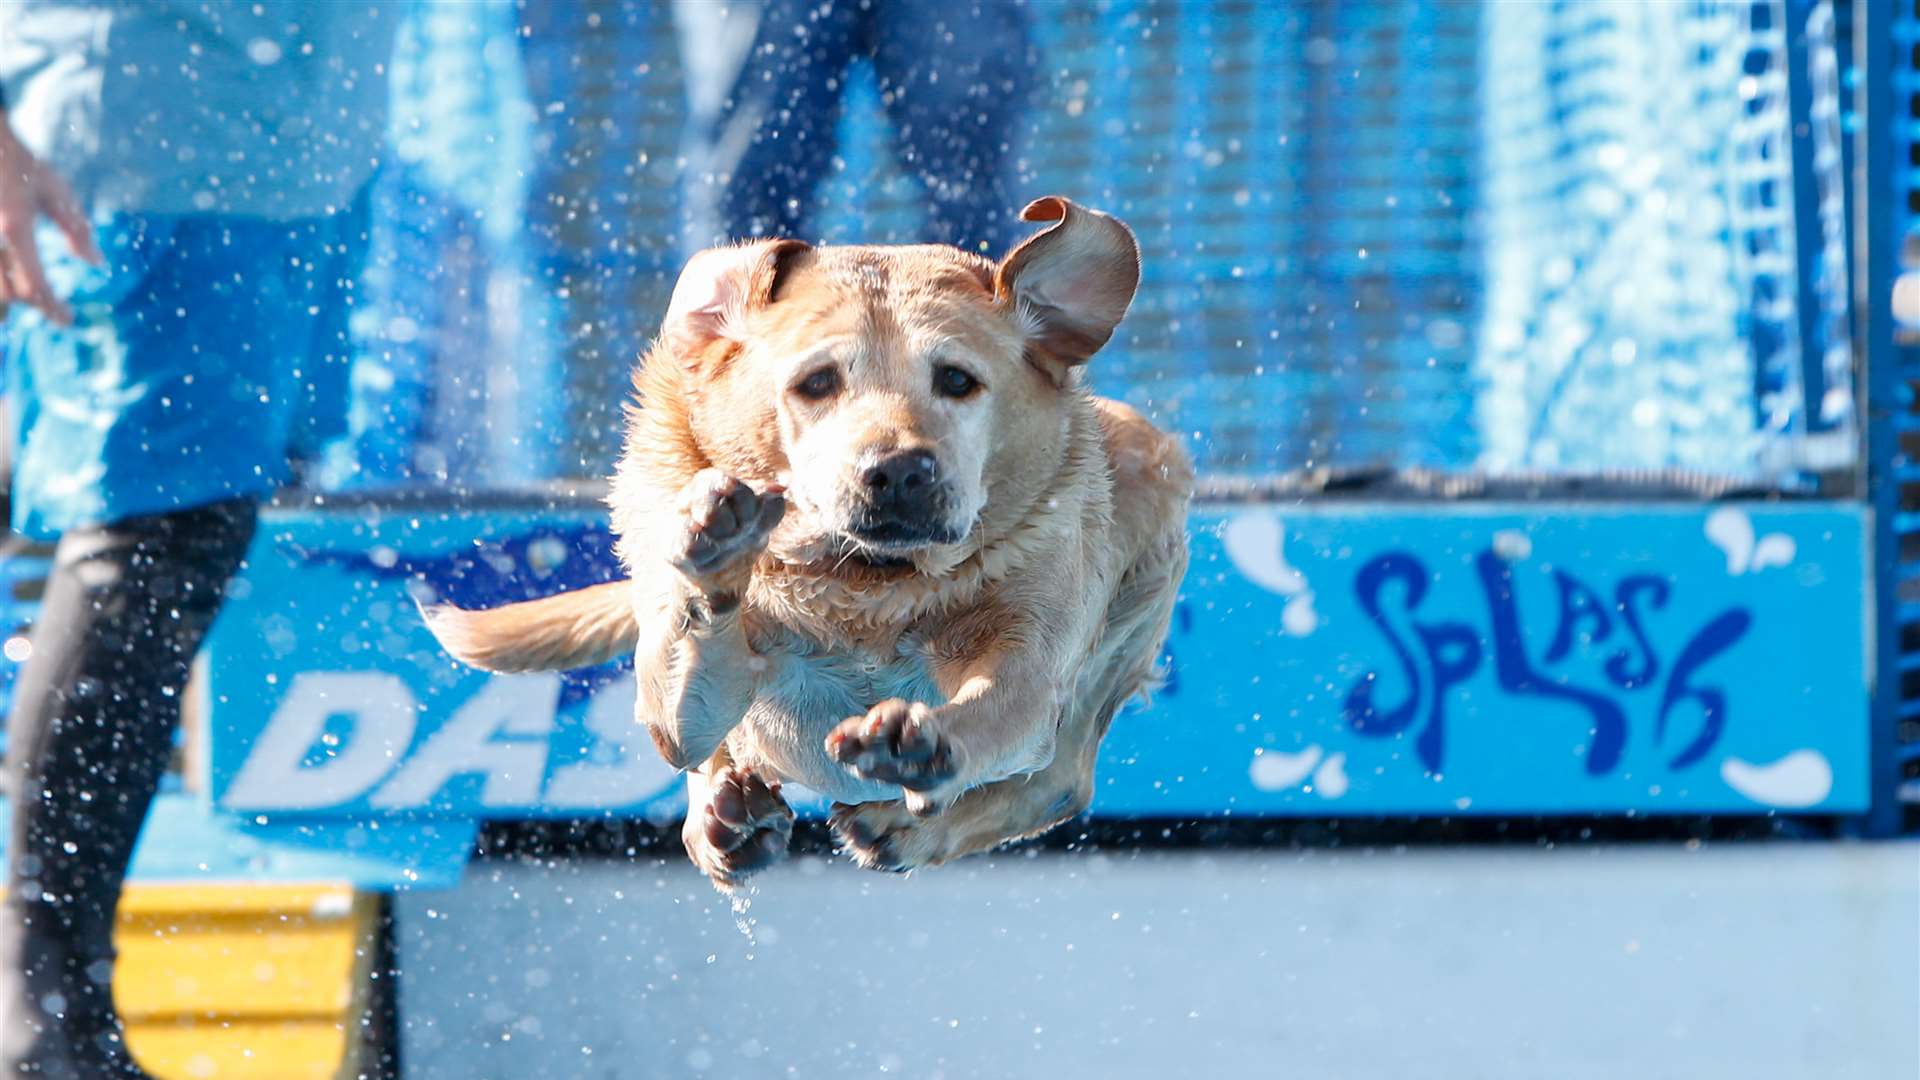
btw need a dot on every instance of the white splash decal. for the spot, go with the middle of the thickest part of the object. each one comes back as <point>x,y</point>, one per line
<point>1731,530</point>
<point>1802,778</point>
<point>1512,545</point>
<point>1774,549</point>
<point>1256,544</point>
<point>1298,617</point>
<point>1330,779</point>
<point>1275,770</point>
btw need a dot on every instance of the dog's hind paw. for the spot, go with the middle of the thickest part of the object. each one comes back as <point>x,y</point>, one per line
<point>744,828</point>
<point>887,836</point>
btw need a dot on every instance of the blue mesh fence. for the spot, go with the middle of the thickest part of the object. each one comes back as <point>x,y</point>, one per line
<point>1906,133</point>
<point>1642,302</point>
<point>1391,234</point>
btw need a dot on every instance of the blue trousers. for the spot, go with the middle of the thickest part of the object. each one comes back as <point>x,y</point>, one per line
<point>207,354</point>
<point>955,78</point>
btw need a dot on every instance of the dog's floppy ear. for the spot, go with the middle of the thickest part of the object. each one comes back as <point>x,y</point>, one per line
<point>720,285</point>
<point>1070,283</point>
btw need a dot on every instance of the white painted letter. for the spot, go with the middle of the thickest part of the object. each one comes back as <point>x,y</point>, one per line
<point>520,705</point>
<point>383,716</point>
<point>637,769</point>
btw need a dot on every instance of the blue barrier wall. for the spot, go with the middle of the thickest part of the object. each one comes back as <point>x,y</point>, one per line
<point>1326,660</point>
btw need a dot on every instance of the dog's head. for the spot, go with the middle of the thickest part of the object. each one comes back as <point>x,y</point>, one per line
<point>900,393</point>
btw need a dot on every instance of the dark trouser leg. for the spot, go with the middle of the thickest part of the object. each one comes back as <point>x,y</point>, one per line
<point>958,79</point>
<point>126,608</point>
<point>774,138</point>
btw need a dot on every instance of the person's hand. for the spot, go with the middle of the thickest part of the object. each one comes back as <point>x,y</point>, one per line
<point>28,189</point>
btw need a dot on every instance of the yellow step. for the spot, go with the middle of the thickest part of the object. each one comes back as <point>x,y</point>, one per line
<point>243,982</point>
<point>183,951</point>
<point>211,1050</point>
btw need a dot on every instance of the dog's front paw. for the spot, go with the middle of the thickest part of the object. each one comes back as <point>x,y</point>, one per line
<point>888,836</point>
<point>743,829</point>
<point>727,525</point>
<point>898,743</point>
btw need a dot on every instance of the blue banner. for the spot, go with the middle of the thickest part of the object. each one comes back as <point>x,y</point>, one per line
<point>1333,659</point>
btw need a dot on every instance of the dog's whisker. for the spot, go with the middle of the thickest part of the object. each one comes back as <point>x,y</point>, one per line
<point>845,558</point>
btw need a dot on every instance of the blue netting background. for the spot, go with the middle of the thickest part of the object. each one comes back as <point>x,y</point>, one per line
<point>1577,237</point>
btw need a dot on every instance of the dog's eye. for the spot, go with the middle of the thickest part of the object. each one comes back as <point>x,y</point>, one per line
<point>819,386</point>
<point>950,381</point>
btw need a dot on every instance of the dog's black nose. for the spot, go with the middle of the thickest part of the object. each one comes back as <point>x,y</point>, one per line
<point>901,476</point>
<point>902,499</point>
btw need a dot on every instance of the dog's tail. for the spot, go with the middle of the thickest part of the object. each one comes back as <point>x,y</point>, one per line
<point>570,630</point>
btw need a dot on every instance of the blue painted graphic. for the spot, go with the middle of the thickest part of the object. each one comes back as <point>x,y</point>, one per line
<point>1453,654</point>
<point>1336,659</point>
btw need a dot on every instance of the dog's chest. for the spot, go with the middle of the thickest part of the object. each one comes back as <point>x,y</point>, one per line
<point>806,692</point>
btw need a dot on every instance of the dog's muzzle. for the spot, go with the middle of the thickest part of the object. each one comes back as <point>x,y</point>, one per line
<point>902,502</point>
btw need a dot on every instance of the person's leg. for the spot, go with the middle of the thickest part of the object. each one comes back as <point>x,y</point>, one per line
<point>765,148</point>
<point>91,730</point>
<point>957,77</point>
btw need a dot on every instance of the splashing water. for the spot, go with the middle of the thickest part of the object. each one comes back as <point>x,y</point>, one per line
<point>741,901</point>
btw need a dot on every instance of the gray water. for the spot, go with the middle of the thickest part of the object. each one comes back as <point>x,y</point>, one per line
<point>1749,961</point>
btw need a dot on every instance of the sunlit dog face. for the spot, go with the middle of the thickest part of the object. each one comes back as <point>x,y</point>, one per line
<point>894,375</point>
<point>900,394</point>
